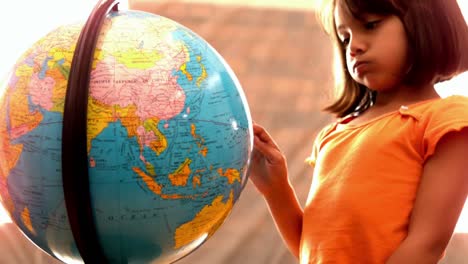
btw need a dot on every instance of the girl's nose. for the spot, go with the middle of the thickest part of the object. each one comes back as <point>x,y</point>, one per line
<point>356,46</point>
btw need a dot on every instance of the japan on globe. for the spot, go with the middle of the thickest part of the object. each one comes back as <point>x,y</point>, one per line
<point>136,155</point>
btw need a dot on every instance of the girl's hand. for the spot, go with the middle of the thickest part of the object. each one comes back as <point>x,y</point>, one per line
<point>268,169</point>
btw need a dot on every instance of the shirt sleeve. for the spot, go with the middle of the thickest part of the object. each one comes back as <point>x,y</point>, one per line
<point>449,116</point>
<point>316,147</point>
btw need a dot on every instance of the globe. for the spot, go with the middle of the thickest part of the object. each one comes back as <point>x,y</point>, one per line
<point>167,144</point>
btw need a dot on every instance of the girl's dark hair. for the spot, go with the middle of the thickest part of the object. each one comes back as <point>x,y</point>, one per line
<point>437,37</point>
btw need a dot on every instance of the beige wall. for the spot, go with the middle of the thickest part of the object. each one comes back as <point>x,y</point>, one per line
<point>285,4</point>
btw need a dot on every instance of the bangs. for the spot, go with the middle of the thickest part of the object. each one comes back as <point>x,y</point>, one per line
<point>360,8</point>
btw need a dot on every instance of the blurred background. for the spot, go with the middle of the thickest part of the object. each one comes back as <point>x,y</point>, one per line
<point>283,61</point>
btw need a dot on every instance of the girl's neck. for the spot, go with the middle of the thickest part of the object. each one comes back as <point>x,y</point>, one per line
<point>405,96</point>
<point>390,101</point>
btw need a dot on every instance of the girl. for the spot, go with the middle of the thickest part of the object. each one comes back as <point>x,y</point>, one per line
<point>390,176</point>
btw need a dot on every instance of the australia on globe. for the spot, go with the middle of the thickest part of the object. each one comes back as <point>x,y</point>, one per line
<point>169,138</point>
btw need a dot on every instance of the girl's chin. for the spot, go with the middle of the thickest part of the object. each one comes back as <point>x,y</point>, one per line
<point>377,84</point>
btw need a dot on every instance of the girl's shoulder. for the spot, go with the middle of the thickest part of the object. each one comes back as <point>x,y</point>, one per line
<point>436,119</point>
<point>326,130</point>
<point>456,101</point>
<point>454,106</point>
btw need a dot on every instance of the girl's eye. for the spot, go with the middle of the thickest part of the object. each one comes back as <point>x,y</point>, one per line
<point>345,41</point>
<point>371,24</point>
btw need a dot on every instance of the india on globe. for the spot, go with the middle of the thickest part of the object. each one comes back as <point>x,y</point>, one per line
<point>166,145</point>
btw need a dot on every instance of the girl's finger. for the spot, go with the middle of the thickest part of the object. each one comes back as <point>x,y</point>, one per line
<point>263,135</point>
<point>271,153</point>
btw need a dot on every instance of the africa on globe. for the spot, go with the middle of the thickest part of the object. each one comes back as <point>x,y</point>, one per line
<point>167,147</point>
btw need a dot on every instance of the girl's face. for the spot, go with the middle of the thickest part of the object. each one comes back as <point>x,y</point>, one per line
<point>376,48</point>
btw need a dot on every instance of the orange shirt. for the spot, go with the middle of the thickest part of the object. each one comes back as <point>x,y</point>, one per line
<point>365,181</point>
